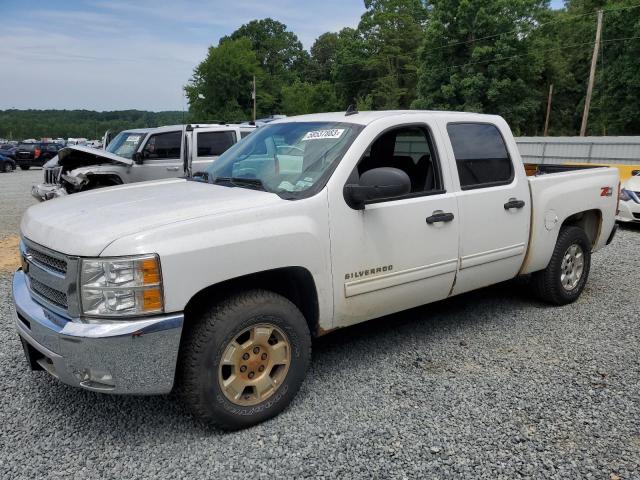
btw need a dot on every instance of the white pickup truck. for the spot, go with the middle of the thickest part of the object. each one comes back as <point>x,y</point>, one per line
<point>136,156</point>
<point>310,224</point>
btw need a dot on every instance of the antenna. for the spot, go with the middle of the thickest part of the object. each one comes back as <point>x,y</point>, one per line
<point>351,110</point>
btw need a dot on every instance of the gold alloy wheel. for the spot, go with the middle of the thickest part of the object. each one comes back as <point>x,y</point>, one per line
<point>254,364</point>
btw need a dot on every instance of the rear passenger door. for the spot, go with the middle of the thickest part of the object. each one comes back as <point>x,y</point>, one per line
<point>209,144</point>
<point>493,203</point>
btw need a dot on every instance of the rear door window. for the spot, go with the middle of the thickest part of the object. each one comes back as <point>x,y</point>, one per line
<point>212,144</point>
<point>481,155</point>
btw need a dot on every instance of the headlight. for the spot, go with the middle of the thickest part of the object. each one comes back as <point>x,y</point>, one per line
<point>113,287</point>
<point>624,195</point>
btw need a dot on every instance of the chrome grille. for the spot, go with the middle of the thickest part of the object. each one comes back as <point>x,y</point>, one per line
<point>52,277</point>
<point>48,293</point>
<point>52,175</point>
<point>47,261</point>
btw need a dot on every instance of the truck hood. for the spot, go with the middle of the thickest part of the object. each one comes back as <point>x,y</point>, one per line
<point>76,156</point>
<point>85,223</point>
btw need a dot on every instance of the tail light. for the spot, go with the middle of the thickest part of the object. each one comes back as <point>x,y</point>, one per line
<point>37,152</point>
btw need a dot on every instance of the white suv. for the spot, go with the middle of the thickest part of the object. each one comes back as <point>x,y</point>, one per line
<point>137,155</point>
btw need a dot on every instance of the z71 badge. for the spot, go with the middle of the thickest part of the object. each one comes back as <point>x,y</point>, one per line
<point>368,272</point>
<point>606,191</point>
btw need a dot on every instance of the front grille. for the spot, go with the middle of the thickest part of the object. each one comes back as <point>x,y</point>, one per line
<point>47,261</point>
<point>52,175</point>
<point>48,293</point>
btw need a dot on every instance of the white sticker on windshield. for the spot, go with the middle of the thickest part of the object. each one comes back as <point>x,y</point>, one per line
<point>133,138</point>
<point>320,134</point>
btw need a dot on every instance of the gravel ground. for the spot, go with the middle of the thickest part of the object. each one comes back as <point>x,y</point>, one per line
<point>491,384</point>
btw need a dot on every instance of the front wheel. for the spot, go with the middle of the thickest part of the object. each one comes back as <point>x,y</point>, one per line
<point>7,167</point>
<point>564,278</point>
<point>245,359</point>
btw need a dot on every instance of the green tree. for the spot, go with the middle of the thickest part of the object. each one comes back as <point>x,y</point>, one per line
<point>220,88</point>
<point>478,56</point>
<point>324,53</point>
<point>393,31</point>
<point>304,97</point>
<point>280,55</point>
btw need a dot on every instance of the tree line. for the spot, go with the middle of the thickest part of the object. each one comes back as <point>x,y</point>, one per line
<point>22,124</point>
<point>490,56</point>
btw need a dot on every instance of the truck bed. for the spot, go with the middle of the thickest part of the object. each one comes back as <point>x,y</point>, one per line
<point>557,191</point>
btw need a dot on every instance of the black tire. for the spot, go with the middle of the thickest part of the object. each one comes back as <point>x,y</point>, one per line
<point>206,340</point>
<point>547,283</point>
<point>25,167</point>
<point>7,167</point>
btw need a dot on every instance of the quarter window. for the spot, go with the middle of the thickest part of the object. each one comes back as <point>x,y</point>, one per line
<point>481,155</point>
<point>211,144</point>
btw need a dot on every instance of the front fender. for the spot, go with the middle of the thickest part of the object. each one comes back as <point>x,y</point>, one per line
<point>205,251</point>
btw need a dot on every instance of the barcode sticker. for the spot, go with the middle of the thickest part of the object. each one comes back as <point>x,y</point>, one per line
<point>321,134</point>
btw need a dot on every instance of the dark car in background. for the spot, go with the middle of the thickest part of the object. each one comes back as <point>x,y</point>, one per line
<point>7,164</point>
<point>35,154</point>
<point>8,150</point>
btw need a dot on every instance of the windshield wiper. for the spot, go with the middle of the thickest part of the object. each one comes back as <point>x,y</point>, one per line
<point>254,183</point>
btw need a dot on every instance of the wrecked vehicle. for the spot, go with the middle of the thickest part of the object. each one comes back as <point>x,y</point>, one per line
<point>136,156</point>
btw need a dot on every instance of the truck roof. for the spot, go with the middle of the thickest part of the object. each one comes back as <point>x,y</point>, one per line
<point>171,128</point>
<point>365,118</point>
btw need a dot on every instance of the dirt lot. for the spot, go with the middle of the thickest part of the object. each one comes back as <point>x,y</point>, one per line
<point>491,384</point>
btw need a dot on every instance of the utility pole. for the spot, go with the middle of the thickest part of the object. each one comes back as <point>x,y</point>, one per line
<point>253,96</point>
<point>546,121</point>
<point>592,75</point>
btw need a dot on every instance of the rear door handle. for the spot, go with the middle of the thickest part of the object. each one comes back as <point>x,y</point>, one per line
<point>514,203</point>
<point>173,169</point>
<point>439,216</point>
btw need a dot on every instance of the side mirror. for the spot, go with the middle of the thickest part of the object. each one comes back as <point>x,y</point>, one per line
<point>138,157</point>
<point>377,184</point>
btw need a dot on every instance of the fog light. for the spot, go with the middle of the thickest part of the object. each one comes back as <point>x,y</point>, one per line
<point>90,377</point>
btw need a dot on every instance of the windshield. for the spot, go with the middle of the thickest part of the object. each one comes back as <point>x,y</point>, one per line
<point>286,158</point>
<point>125,144</point>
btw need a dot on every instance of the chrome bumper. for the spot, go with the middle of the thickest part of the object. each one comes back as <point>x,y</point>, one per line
<point>130,357</point>
<point>47,191</point>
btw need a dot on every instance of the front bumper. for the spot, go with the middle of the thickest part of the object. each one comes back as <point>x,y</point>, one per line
<point>629,212</point>
<point>47,191</point>
<point>120,356</point>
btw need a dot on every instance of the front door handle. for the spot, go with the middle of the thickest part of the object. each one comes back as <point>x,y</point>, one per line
<point>173,169</point>
<point>514,203</point>
<point>439,216</point>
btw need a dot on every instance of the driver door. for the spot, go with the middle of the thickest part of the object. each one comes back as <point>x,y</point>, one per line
<point>161,157</point>
<point>390,256</point>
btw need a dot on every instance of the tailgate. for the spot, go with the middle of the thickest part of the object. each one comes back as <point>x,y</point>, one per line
<point>589,197</point>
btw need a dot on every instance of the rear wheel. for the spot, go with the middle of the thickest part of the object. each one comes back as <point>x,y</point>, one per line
<point>245,359</point>
<point>25,167</point>
<point>564,278</point>
<point>7,167</point>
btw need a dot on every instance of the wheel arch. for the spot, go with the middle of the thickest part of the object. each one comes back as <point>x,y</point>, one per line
<point>589,220</point>
<point>294,283</point>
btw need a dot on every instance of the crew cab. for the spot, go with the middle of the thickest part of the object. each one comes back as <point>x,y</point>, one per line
<point>310,224</point>
<point>136,156</point>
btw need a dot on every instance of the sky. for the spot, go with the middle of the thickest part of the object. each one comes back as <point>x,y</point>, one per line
<point>136,54</point>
